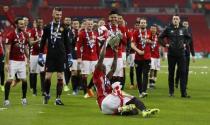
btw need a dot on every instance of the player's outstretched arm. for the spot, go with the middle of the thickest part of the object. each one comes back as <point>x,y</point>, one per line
<point>114,63</point>
<point>101,57</point>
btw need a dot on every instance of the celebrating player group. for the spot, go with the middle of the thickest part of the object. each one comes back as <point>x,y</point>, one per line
<point>76,50</point>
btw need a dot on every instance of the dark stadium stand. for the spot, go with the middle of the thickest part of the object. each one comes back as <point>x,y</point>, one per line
<point>74,12</point>
<point>5,2</point>
<point>93,8</point>
<point>159,3</point>
<point>74,2</point>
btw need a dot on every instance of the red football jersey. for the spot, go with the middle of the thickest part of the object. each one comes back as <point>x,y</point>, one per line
<point>109,51</point>
<point>138,39</point>
<point>36,34</point>
<point>18,42</point>
<point>10,17</point>
<point>102,84</point>
<point>1,45</point>
<point>87,46</point>
<point>155,53</point>
<point>124,44</point>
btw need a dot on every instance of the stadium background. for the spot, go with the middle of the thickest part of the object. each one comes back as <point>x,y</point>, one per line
<point>157,11</point>
<point>80,111</point>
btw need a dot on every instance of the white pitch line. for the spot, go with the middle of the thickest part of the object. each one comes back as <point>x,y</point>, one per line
<point>2,109</point>
<point>40,112</point>
<point>194,67</point>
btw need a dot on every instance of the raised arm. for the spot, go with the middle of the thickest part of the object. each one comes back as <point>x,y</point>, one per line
<point>101,56</point>
<point>114,63</point>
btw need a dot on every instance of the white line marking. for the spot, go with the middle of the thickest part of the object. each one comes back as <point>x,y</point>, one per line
<point>2,109</point>
<point>194,67</point>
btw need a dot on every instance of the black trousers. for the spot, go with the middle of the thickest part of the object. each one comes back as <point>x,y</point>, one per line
<point>2,76</point>
<point>181,62</point>
<point>67,74</point>
<point>177,79</point>
<point>142,70</point>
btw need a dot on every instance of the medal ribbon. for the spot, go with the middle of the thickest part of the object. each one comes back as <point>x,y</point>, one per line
<point>143,38</point>
<point>90,41</point>
<point>154,43</point>
<point>56,32</point>
<point>20,44</point>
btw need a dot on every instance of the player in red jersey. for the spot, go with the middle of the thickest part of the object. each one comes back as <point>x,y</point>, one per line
<point>87,52</point>
<point>131,55</point>
<point>16,50</point>
<point>35,38</point>
<point>101,31</point>
<point>110,98</point>
<point>113,29</point>
<point>142,47</point>
<point>122,23</point>
<point>9,15</point>
<point>1,63</point>
<point>155,56</point>
<point>75,69</point>
<point>26,21</point>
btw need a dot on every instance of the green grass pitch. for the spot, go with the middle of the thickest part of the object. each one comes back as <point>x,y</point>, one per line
<point>80,111</point>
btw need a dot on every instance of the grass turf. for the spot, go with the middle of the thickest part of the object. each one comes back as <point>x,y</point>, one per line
<point>80,111</point>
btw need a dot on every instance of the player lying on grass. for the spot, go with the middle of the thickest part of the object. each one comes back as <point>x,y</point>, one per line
<point>110,98</point>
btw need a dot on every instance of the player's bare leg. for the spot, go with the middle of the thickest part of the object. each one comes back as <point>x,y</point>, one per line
<point>24,91</point>
<point>132,77</point>
<point>152,79</point>
<point>7,91</point>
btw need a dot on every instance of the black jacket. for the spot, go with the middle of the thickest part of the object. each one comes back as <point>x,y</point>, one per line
<point>56,49</point>
<point>176,38</point>
<point>190,47</point>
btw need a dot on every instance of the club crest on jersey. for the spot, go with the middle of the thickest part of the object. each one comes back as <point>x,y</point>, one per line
<point>181,32</point>
<point>61,29</point>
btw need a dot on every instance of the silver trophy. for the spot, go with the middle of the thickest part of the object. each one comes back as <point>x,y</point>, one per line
<point>114,39</point>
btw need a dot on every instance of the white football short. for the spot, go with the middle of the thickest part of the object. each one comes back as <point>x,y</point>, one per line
<point>34,66</point>
<point>124,59</point>
<point>17,67</point>
<point>87,67</point>
<point>155,63</point>
<point>131,58</point>
<point>75,65</point>
<point>111,103</point>
<point>119,70</point>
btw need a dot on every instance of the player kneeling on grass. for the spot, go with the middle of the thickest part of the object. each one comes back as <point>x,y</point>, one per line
<point>110,98</point>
